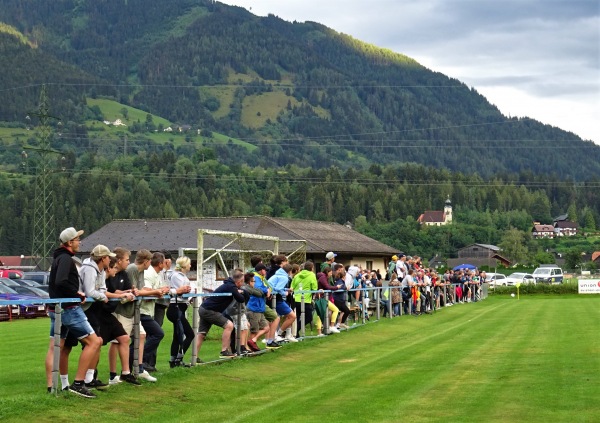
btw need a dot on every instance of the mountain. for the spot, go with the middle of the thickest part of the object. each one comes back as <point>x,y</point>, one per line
<point>300,92</point>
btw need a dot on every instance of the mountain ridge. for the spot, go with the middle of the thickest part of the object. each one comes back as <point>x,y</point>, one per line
<point>344,95</point>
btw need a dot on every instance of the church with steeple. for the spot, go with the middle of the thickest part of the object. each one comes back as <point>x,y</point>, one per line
<point>437,217</point>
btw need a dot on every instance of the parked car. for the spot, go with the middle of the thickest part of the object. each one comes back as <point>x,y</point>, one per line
<point>11,273</point>
<point>5,312</point>
<point>32,284</point>
<point>548,273</point>
<point>43,278</point>
<point>495,279</point>
<point>8,282</point>
<point>22,310</point>
<point>520,278</point>
<point>31,291</point>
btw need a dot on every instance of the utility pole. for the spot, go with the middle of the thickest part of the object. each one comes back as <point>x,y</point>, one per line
<point>44,231</point>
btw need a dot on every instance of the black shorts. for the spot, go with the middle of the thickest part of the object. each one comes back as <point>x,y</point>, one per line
<point>110,327</point>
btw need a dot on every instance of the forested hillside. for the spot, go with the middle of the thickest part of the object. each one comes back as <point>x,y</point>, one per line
<point>303,93</point>
<point>383,202</point>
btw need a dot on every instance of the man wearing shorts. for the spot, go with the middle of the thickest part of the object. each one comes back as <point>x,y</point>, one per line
<point>256,307</point>
<point>260,282</point>
<point>92,277</point>
<point>212,308</point>
<point>64,283</point>
<point>278,283</point>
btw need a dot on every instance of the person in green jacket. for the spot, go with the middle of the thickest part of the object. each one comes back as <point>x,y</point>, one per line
<point>306,280</point>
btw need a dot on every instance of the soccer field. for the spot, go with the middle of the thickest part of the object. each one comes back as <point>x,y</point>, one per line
<point>536,359</point>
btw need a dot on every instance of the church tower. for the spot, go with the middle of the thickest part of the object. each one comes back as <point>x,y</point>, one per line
<point>448,211</point>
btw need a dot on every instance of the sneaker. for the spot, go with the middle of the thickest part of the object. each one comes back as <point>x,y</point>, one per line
<point>333,329</point>
<point>82,391</point>
<point>226,354</point>
<point>290,338</point>
<point>321,335</point>
<point>130,378</point>
<point>253,346</point>
<point>115,380</point>
<point>344,326</point>
<point>264,340</point>
<point>96,384</point>
<point>273,345</point>
<point>146,376</point>
<point>279,339</point>
<point>199,360</point>
<point>244,351</point>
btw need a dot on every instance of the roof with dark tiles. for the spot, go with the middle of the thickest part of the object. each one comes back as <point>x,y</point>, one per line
<point>172,234</point>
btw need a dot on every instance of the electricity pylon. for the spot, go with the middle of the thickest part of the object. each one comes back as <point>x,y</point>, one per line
<point>44,231</point>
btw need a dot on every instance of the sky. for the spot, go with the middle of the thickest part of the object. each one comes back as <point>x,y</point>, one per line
<point>530,58</point>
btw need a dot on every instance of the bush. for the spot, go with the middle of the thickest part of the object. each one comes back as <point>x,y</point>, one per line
<point>544,289</point>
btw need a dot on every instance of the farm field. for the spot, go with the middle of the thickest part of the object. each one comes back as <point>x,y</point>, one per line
<point>500,360</point>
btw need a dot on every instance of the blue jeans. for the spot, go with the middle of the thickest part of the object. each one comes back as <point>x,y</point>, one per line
<point>76,323</point>
<point>154,334</point>
<point>384,304</point>
<point>396,309</point>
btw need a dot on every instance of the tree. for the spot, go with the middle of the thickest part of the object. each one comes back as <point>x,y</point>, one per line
<point>572,212</point>
<point>588,219</point>
<point>573,258</point>
<point>513,245</point>
<point>125,112</point>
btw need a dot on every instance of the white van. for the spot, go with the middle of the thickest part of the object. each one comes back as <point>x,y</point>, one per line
<point>548,273</point>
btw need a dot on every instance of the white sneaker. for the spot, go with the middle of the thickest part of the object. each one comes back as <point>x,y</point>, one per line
<point>279,339</point>
<point>146,376</point>
<point>321,335</point>
<point>290,338</point>
<point>264,340</point>
<point>333,329</point>
<point>115,381</point>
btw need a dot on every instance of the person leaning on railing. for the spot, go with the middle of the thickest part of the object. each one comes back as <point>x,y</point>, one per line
<point>323,279</point>
<point>64,283</point>
<point>183,334</point>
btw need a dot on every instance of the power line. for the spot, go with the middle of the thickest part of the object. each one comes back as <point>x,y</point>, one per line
<point>273,178</point>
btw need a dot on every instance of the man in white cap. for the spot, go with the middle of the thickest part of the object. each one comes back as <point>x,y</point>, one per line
<point>330,257</point>
<point>92,284</point>
<point>64,283</point>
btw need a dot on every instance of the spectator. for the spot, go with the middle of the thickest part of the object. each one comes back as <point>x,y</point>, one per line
<point>134,273</point>
<point>323,283</point>
<point>278,283</point>
<point>329,260</point>
<point>92,276</point>
<point>64,283</point>
<point>183,334</point>
<point>391,268</point>
<point>152,288</point>
<point>305,280</point>
<point>212,308</point>
<point>339,298</point>
<point>112,331</point>
<point>396,297</point>
<point>260,306</point>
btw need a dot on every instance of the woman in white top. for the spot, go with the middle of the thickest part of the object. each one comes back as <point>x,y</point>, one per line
<point>183,334</point>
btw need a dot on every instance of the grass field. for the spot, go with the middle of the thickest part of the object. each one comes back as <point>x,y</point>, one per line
<point>500,360</point>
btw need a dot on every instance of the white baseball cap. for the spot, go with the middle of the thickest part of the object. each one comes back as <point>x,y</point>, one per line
<point>69,234</point>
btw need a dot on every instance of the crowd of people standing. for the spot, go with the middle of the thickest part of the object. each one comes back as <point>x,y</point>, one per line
<point>266,303</point>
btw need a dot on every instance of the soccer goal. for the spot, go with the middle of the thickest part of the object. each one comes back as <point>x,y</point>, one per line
<point>220,252</point>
